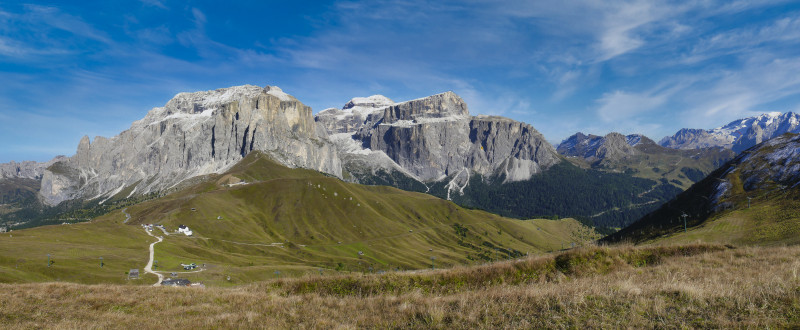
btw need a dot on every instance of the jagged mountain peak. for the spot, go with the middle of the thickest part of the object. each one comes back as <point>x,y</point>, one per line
<point>594,147</point>
<point>737,135</point>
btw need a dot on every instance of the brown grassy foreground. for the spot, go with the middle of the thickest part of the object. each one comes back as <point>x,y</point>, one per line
<point>684,286</point>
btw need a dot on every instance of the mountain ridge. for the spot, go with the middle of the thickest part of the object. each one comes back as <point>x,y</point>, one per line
<point>767,173</point>
<point>737,135</point>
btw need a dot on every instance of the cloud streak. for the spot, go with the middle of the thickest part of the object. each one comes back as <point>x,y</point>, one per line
<point>634,66</point>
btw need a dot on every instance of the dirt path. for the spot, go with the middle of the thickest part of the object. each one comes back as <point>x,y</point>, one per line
<point>149,267</point>
<point>127,216</point>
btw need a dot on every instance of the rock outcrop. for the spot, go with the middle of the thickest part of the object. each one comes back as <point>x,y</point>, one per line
<point>516,149</point>
<point>193,134</point>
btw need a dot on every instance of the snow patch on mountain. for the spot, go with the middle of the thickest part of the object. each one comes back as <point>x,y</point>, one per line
<point>277,92</point>
<point>738,134</point>
<point>633,139</point>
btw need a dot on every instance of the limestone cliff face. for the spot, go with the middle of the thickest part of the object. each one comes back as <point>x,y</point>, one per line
<point>515,148</point>
<point>427,139</point>
<point>193,134</point>
<point>435,137</point>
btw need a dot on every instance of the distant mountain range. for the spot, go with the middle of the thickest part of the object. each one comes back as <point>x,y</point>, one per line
<point>640,156</point>
<point>752,199</point>
<point>738,135</point>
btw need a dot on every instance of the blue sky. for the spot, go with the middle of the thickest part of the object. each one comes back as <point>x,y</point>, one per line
<point>69,69</point>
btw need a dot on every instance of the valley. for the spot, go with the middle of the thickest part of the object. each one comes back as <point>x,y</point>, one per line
<point>352,164</point>
<point>248,226</point>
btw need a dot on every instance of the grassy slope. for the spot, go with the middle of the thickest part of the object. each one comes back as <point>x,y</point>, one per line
<point>622,287</point>
<point>309,213</point>
<point>76,250</point>
<point>772,219</point>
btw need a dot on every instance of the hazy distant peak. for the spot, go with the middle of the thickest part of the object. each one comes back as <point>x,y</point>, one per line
<point>738,135</point>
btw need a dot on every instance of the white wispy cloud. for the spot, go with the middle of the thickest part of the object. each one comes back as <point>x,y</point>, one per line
<point>763,78</point>
<point>785,30</point>
<point>583,65</point>
<point>620,24</point>
<point>55,18</point>
<point>154,3</point>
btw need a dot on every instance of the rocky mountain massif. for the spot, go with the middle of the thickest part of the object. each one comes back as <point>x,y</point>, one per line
<point>432,139</point>
<point>738,135</point>
<point>493,163</point>
<point>193,134</point>
<point>765,175</point>
<point>26,169</point>
<point>372,140</point>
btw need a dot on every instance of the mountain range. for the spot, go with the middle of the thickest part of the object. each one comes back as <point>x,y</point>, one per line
<point>738,135</point>
<point>751,199</point>
<point>431,144</point>
<point>640,156</point>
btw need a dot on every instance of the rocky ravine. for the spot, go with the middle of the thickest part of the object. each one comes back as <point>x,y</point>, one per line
<point>193,134</point>
<point>435,138</point>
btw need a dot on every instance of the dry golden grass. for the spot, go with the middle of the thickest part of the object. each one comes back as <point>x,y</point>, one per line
<point>694,286</point>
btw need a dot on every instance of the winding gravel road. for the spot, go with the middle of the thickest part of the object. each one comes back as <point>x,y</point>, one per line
<point>149,267</point>
<point>127,216</point>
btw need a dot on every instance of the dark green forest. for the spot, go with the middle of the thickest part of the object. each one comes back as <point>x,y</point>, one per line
<point>610,200</point>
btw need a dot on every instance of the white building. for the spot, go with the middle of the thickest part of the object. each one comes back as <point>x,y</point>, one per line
<point>185,230</point>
